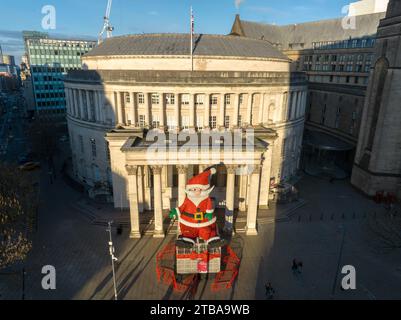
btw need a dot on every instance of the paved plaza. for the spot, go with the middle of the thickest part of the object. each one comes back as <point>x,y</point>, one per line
<point>78,250</point>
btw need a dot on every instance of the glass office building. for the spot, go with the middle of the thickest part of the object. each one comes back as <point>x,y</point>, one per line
<point>50,59</point>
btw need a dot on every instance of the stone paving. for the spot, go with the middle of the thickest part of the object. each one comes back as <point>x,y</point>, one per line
<point>79,251</point>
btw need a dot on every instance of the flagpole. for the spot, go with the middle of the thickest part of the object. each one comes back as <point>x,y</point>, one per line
<point>192,42</point>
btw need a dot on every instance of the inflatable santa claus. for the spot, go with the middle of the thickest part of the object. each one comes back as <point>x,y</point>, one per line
<point>196,215</point>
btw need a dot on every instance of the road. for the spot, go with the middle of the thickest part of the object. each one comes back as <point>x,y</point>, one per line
<point>12,137</point>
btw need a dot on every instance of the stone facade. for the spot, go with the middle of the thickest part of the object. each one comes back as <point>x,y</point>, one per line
<point>123,104</point>
<point>378,159</point>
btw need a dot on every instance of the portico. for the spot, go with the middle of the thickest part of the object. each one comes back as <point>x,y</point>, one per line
<point>164,172</point>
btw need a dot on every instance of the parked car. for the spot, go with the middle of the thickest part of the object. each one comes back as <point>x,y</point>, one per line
<point>30,166</point>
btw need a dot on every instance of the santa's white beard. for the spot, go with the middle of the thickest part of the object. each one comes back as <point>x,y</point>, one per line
<point>198,199</point>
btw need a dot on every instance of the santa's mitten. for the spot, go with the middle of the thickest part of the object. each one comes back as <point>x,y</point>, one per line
<point>173,214</point>
<point>209,216</point>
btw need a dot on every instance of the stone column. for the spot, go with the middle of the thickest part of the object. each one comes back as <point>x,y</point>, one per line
<point>261,108</point>
<point>119,109</point>
<point>78,103</point>
<point>133,201</point>
<point>286,98</point>
<point>71,100</point>
<point>81,104</point>
<point>222,107</point>
<point>249,109</point>
<point>192,124</point>
<point>141,198</point>
<point>88,105</point>
<point>294,105</point>
<point>147,107</point>
<point>236,110</point>
<point>177,110</point>
<point>158,205</point>
<point>304,101</point>
<point>162,109</point>
<point>243,186</point>
<point>67,101</point>
<point>97,103</point>
<point>206,118</point>
<point>230,193</point>
<point>134,119</point>
<point>251,225</point>
<point>182,181</point>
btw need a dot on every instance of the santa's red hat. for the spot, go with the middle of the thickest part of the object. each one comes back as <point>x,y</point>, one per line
<point>202,180</point>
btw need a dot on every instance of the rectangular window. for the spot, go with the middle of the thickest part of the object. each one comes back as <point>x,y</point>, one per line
<point>241,98</point>
<point>338,114</point>
<point>185,122</point>
<point>93,146</point>
<point>199,123</point>
<point>323,118</point>
<point>127,97</point>
<point>155,98</point>
<point>227,99</point>
<point>81,143</point>
<point>141,98</point>
<point>142,120</point>
<point>213,122</point>
<point>199,100</point>
<point>170,98</point>
<point>185,99</point>
<point>171,122</point>
<point>214,100</point>
<point>156,121</point>
<point>227,122</point>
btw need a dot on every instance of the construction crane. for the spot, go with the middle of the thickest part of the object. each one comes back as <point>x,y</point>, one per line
<point>107,27</point>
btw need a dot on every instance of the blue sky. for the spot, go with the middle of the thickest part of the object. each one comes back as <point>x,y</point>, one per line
<point>84,17</point>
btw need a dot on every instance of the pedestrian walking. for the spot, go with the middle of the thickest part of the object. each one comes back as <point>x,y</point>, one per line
<point>294,266</point>
<point>300,266</point>
<point>269,291</point>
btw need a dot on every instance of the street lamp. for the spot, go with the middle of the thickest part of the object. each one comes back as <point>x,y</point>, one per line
<point>113,258</point>
<point>341,228</point>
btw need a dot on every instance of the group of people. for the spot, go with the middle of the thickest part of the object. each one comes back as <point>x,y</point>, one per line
<point>296,269</point>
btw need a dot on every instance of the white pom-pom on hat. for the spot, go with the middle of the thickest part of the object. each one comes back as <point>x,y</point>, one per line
<point>213,171</point>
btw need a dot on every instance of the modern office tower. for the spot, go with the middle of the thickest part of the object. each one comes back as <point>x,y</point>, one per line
<point>50,59</point>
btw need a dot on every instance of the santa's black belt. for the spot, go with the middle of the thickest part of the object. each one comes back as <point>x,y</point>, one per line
<point>199,216</point>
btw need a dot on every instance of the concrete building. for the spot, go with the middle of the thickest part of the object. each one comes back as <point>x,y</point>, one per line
<point>378,159</point>
<point>367,7</point>
<point>337,60</point>
<point>7,59</point>
<point>49,60</point>
<point>134,84</point>
<point>27,89</point>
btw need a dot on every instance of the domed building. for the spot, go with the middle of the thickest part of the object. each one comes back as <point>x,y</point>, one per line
<point>136,87</point>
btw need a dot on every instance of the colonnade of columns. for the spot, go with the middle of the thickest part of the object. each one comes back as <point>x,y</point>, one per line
<point>89,109</point>
<point>140,108</point>
<point>136,194</point>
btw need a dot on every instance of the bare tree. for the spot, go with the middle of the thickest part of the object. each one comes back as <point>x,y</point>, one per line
<point>17,208</point>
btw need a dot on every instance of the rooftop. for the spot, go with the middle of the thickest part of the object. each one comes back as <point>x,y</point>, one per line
<point>309,32</point>
<point>179,45</point>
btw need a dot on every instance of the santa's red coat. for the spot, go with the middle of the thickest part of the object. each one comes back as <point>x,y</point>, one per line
<point>193,228</point>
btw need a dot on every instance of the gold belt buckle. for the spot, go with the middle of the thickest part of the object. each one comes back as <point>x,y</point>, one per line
<point>199,216</point>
